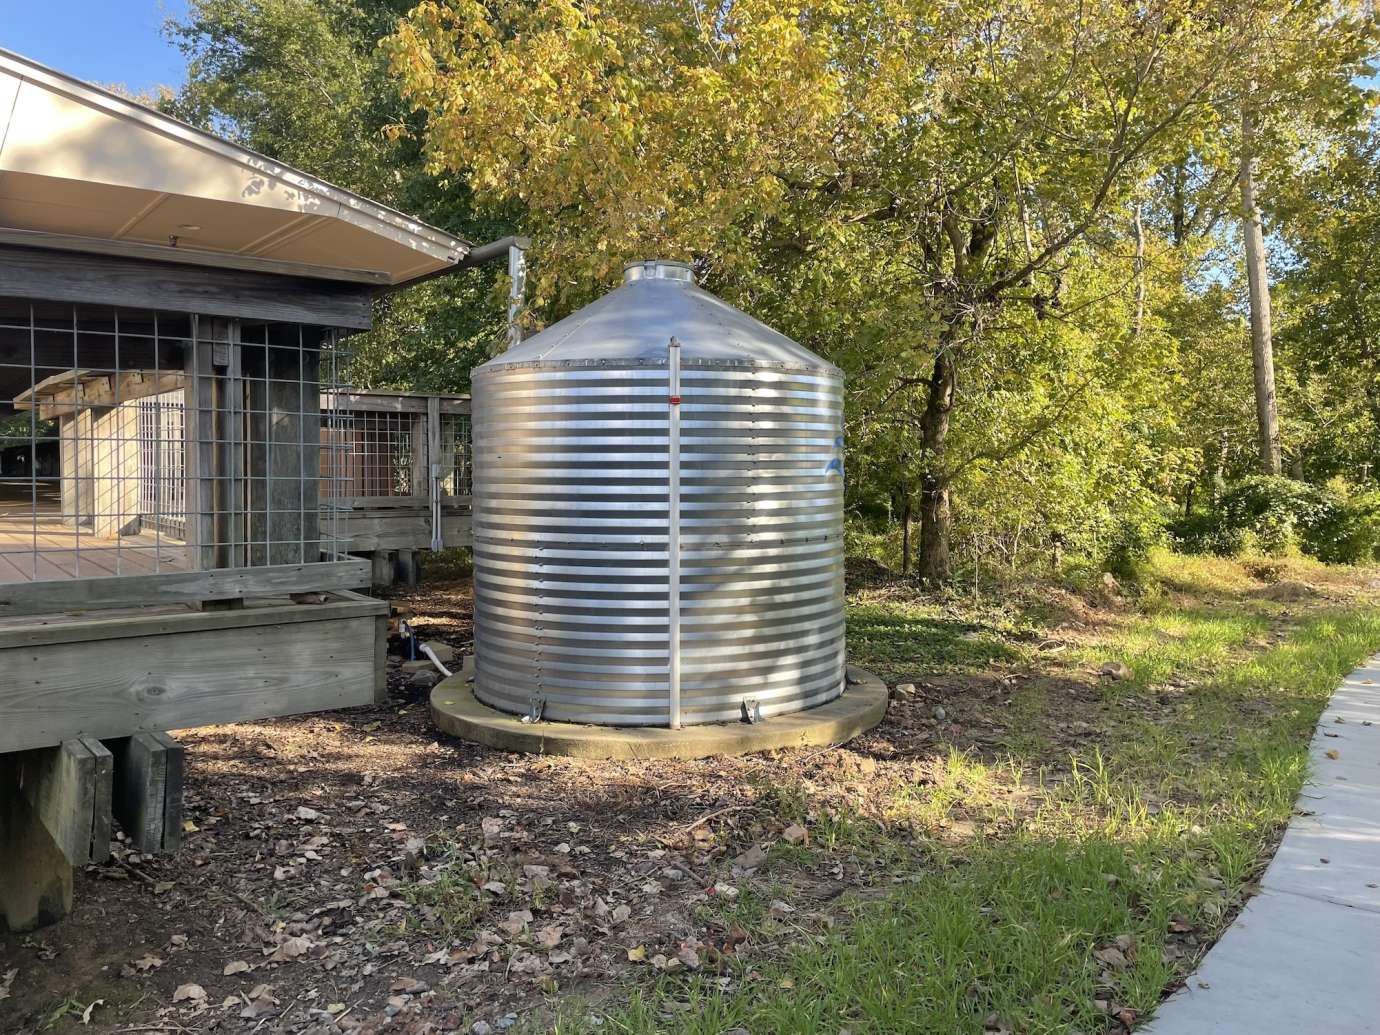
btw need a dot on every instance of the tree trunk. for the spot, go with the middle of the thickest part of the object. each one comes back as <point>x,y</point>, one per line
<point>933,565</point>
<point>935,520</point>
<point>1138,228</point>
<point>905,533</point>
<point>1257,277</point>
<point>1217,482</point>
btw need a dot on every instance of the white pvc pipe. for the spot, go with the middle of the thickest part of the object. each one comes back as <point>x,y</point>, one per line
<point>426,649</point>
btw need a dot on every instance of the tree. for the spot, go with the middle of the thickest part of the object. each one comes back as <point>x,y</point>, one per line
<point>966,158</point>
<point>1331,290</point>
<point>1258,280</point>
<point>1297,89</point>
<point>305,83</point>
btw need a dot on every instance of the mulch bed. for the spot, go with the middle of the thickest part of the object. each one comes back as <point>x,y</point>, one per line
<point>357,871</point>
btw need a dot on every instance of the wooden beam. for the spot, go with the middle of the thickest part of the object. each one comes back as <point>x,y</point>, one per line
<point>69,789</point>
<point>401,403</point>
<point>363,503</point>
<point>397,528</point>
<point>147,798</point>
<point>98,626</point>
<point>117,687</point>
<point>55,595</point>
<point>184,256</point>
<point>62,395</point>
<point>393,402</point>
<point>66,276</point>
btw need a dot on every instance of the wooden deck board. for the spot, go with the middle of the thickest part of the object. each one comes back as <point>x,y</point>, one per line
<point>36,545</point>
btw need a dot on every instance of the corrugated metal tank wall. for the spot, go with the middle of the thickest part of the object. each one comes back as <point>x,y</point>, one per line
<point>572,460</point>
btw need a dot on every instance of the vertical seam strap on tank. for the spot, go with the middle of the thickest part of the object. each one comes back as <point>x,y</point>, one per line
<point>673,530</point>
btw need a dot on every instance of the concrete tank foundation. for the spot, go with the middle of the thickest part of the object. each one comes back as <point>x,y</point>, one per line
<point>455,710</point>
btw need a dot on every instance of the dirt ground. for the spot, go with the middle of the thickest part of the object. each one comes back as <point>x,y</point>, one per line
<point>357,871</point>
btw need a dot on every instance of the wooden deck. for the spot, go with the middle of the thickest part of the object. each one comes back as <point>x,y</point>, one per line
<point>91,674</point>
<point>36,545</point>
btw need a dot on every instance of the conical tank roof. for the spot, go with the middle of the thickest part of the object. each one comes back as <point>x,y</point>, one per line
<point>633,324</point>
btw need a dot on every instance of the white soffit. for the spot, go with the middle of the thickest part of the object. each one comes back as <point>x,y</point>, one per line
<point>80,161</point>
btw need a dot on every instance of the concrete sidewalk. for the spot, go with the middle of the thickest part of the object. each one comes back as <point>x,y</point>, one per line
<point>1304,955</point>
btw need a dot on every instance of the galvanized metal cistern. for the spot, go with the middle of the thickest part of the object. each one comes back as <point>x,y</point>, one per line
<point>658,515</point>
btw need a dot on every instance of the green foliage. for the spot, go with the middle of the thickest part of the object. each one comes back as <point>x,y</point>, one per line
<point>1272,514</point>
<point>1013,280</point>
<point>1201,532</point>
<point>1282,515</point>
<point>1348,532</point>
<point>908,189</point>
<point>872,541</point>
<point>305,83</point>
<point>1331,216</point>
<point>1131,545</point>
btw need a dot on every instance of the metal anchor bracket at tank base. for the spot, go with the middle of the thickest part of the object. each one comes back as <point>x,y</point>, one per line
<point>536,708</point>
<point>752,711</point>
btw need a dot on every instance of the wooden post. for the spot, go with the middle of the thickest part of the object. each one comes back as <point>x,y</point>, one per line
<point>148,790</point>
<point>381,569</point>
<point>308,429</point>
<point>422,459</point>
<point>229,432</point>
<point>35,878</point>
<point>69,787</point>
<point>407,568</point>
<point>381,659</point>
<point>199,444</point>
<point>75,450</point>
<point>259,449</point>
<point>55,806</point>
<point>114,473</point>
<point>433,481</point>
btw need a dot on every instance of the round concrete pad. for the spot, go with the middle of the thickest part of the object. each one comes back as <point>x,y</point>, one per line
<point>455,710</point>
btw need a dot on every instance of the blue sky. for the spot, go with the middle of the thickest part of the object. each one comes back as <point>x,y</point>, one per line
<point>103,41</point>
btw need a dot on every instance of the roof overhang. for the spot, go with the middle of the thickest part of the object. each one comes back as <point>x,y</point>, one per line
<point>84,169</point>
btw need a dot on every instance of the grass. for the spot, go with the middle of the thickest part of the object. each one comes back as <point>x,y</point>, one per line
<point>892,638</point>
<point>448,897</point>
<point>1064,911</point>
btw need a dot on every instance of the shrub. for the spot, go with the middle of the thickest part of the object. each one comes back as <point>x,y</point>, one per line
<point>1274,515</point>
<point>1202,532</point>
<point>1130,544</point>
<point>877,541</point>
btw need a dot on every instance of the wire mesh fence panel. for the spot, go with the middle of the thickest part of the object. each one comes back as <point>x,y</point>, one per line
<point>135,442</point>
<point>374,454</point>
<point>455,454</point>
